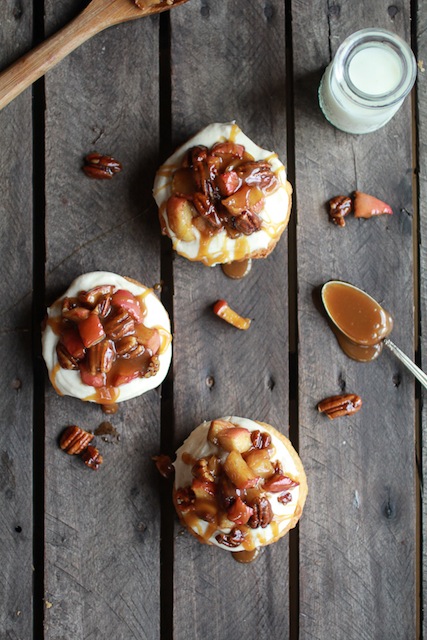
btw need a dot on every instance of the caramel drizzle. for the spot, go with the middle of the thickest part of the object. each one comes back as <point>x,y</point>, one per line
<point>52,376</point>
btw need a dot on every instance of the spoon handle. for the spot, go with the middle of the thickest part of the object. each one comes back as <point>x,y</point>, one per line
<point>416,371</point>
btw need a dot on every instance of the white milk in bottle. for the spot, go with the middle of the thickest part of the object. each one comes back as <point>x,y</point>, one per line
<point>367,81</point>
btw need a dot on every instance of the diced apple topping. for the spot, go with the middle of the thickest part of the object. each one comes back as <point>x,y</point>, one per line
<point>180,214</point>
<point>238,471</point>
<point>239,512</point>
<point>203,488</point>
<point>215,429</point>
<point>258,460</point>
<point>279,482</point>
<point>235,439</point>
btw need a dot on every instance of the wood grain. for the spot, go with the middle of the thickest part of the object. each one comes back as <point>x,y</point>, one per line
<point>16,375</point>
<point>422,282</point>
<point>221,74</point>
<point>102,528</point>
<point>357,536</point>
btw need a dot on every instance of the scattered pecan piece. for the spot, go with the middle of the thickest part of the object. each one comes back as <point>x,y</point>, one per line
<point>74,440</point>
<point>260,439</point>
<point>340,405</point>
<point>262,513</point>
<point>92,458</point>
<point>164,466</point>
<point>232,539</point>
<point>101,167</point>
<point>339,207</point>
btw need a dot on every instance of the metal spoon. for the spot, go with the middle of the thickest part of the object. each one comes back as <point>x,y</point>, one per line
<point>382,338</point>
<point>98,15</point>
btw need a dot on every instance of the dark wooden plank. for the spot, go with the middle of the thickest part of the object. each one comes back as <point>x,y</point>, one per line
<point>16,378</point>
<point>357,536</point>
<point>228,63</point>
<point>102,529</point>
<point>422,166</point>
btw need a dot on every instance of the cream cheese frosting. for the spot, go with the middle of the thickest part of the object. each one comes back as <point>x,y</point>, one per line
<point>68,382</point>
<point>221,248</point>
<point>285,516</point>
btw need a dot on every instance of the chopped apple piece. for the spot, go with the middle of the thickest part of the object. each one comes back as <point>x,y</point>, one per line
<point>366,206</point>
<point>235,439</point>
<point>239,512</point>
<point>259,461</point>
<point>228,183</point>
<point>279,483</point>
<point>238,471</point>
<point>215,429</point>
<point>203,489</point>
<point>91,330</point>
<point>180,213</point>
<point>206,509</point>
<point>222,310</point>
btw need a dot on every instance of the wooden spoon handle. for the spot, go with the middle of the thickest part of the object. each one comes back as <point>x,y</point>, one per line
<point>33,65</point>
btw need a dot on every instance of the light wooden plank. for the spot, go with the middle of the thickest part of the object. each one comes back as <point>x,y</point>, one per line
<point>357,536</point>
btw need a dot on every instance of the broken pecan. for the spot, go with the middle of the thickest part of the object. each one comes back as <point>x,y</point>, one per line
<point>126,345</point>
<point>247,223</point>
<point>339,207</point>
<point>262,513</point>
<point>260,439</point>
<point>185,499</point>
<point>72,311</point>
<point>285,498</point>
<point>153,367</point>
<point>94,296</point>
<point>74,440</point>
<point>201,470</point>
<point>232,539</point>
<point>101,167</point>
<point>206,209</point>
<point>341,405</point>
<point>92,458</point>
<point>65,359</point>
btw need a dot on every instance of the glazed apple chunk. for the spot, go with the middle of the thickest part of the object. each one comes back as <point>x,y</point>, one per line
<point>239,484</point>
<point>102,336</point>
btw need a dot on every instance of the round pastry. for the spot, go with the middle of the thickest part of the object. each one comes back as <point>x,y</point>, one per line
<point>222,198</point>
<point>107,339</point>
<point>239,484</point>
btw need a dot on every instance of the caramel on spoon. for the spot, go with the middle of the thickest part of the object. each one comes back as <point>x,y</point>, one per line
<point>361,325</point>
<point>97,16</point>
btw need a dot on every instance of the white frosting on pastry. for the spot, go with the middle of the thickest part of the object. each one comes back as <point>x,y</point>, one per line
<point>220,248</point>
<point>68,382</point>
<point>285,516</point>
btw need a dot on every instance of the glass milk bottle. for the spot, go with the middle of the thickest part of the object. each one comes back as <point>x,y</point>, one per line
<point>367,81</point>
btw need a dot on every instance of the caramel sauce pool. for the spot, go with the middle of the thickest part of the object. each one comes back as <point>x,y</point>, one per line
<point>237,270</point>
<point>360,323</point>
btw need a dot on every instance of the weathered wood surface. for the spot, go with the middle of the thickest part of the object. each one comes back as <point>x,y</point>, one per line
<point>16,428</point>
<point>421,106</point>
<point>102,529</point>
<point>117,564</point>
<point>219,77</point>
<point>358,534</point>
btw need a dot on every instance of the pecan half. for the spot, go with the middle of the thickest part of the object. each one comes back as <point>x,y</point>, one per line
<point>260,439</point>
<point>262,515</point>
<point>92,458</point>
<point>126,345</point>
<point>339,207</point>
<point>341,405</point>
<point>65,359</point>
<point>74,440</point>
<point>101,167</point>
<point>72,311</point>
<point>119,326</point>
<point>247,223</point>
<point>232,539</point>
<point>101,357</point>
<point>206,209</point>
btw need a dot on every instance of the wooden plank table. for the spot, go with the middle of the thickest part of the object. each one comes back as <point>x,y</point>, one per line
<point>101,555</point>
